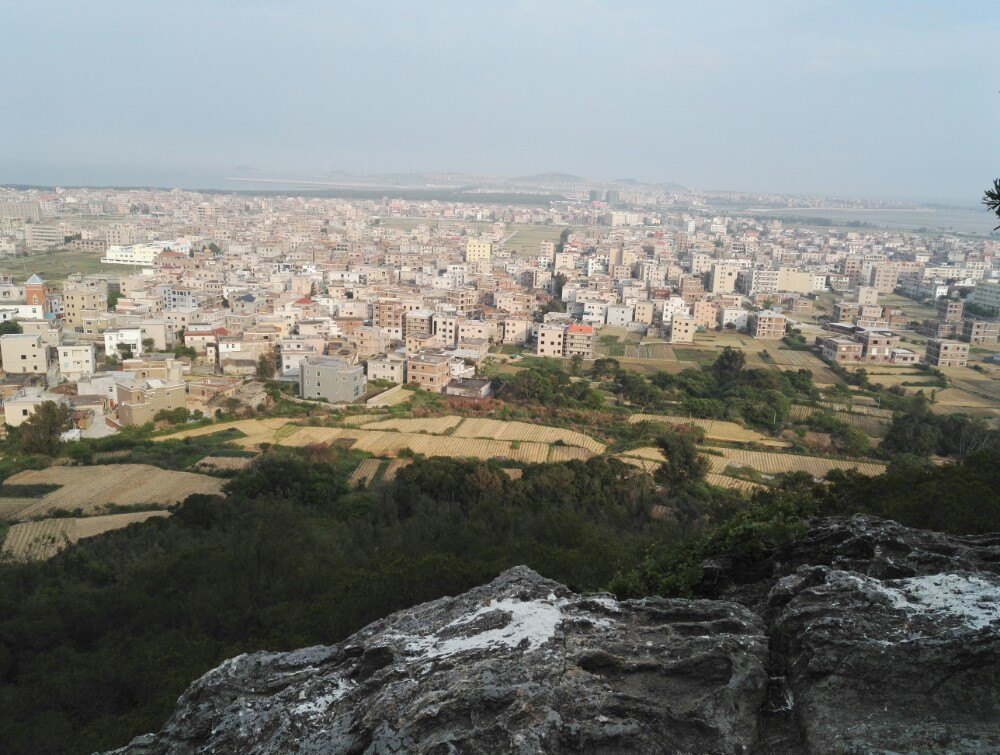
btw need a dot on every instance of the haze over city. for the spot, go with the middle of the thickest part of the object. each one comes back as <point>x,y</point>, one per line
<point>890,100</point>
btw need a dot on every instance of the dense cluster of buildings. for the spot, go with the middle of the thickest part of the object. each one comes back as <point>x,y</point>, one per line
<point>340,293</point>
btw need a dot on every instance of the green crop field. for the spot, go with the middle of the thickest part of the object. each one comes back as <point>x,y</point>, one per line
<point>59,264</point>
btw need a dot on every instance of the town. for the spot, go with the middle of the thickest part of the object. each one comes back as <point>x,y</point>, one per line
<point>131,305</point>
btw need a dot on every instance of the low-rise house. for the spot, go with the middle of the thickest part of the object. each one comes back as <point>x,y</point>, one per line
<point>139,401</point>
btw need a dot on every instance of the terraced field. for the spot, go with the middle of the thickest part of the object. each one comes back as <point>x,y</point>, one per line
<point>222,464</point>
<point>88,488</point>
<point>724,481</point>
<point>715,429</point>
<point>45,538</point>
<point>776,463</point>
<point>388,443</point>
<point>524,431</point>
<point>433,425</point>
<point>365,473</point>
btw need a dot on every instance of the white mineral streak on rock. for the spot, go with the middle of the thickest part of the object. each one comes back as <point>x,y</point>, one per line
<point>322,702</point>
<point>974,601</point>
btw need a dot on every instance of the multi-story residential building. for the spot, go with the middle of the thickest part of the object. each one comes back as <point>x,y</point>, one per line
<point>391,367</point>
<point>980,332</point>
<point>550,340</point>
<point>682,328</point>
<point>332,379</point>
<point>767,325</point>
<point>947,353</point>
<point>478,251</point>
<point>83,298</point>
<point>23,352</point>
<point>430,371</point>
<point>986,294</point>
<point>841,350</point>
<point>949,310</point>
<point>76,360</point>
<point>579,341</point>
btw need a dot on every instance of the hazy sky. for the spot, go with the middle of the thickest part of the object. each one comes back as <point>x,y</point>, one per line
<point>884,99</point>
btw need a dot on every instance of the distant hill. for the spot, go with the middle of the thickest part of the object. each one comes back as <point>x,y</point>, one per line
<point>564,178</point>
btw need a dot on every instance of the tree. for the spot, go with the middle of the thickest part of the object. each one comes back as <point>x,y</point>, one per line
<point>265,367</point>
<point>729,365</point>
<point>40,432</point>
<point>530,385</point>
<point>991,198</point>
<point>575,363</point>
<point>148,343</point>
<point>10,327</point>
<point>684,463</point>
<point>113,298</point>
<point>124,350</point>
<point>557,285</point>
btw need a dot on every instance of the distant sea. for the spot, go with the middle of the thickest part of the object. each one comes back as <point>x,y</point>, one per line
<point>932,218</point>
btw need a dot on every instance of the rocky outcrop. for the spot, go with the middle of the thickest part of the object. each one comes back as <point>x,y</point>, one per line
<point>863,637</point>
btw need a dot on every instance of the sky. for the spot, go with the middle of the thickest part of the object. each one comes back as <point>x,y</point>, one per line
<point>869,99</point>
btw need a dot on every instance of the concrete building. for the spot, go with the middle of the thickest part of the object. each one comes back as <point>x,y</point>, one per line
<point>82,299</point>
<point>579,341</point>
<point>126,338</point>
<point>430,371</point>
<point>949,310</point>
<point>477,251</point>
<point>24,353</point>
<point>391,367</point>
<point>767,325</point>
<point>682,328</point>
<point>139,401</point>
<point>980,332</point>
<point>333,379</point>
<point>76,360</point>
<point>946,353</point>
<point>841,350</point>
<point>550,340</point>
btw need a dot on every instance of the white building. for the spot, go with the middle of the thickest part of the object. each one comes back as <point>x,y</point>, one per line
<point>76,361</point>
<point>126,337</point>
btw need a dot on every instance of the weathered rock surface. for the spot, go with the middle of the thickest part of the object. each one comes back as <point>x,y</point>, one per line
<point>520,665</point>
<point>864,636</point>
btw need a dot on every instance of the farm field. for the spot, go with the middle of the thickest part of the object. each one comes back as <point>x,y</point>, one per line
<point>222,464</point>
<point>393,467</point>
<point>524,431</point>
<point>59,264</point>
<point>89,488</point>
<point>365,473</point>
<point>390,443</point>
<point>433,425</point>
<point>724,481</point>
<point>777,463</point>
<point>45,538</point>
<point>248,433</point>
<point>525,239</point>
<point>715,429</point>
<point>871,424</point>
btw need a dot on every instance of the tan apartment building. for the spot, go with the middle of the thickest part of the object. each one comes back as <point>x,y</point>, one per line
<point>682,328</point>
<point>82,300</point>
<point>550,340</point>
